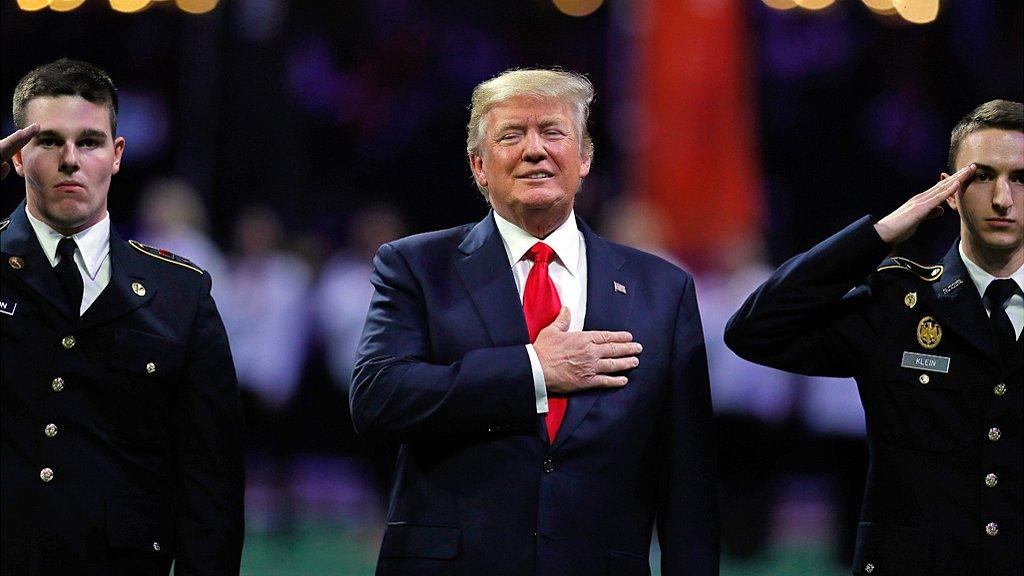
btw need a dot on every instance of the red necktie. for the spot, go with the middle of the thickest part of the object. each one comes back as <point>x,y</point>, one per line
<point>541,306</point>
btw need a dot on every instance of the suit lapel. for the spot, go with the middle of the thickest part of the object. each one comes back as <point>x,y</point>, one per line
<point>119,297</point>
<point>609,299</point>
<point>960,308</point>
<point>19,241</point>
<point>483,266</point>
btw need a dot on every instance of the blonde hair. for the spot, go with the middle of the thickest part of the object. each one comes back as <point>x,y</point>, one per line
<point>568,87</point>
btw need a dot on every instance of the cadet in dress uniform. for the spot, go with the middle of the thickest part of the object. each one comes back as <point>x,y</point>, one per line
<point>122,431</point>
<point>936,352</point>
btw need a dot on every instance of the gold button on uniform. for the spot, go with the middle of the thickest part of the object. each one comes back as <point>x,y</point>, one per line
<point>869,568</point>
<point>923,379</point>
<point>57,384</point>
<point>50,430</point>
<point>46,474</point>
<point>156,546</point>
<point>16,263</point>
<point>150,368</point>
<point>991,480</point>
<point>1000,389</point>
<point>68,342</point>
<point>139,289</point>
<point>992,529</point>
<point>994,434</point>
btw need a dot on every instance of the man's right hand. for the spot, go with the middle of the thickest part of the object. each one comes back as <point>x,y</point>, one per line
<point>903,222</point>
<point>13,143</point>
<point>576,361</point>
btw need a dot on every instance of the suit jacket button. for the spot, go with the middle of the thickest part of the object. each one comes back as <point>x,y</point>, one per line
<point>994,434</point>
<point>68,342</point>
<point>46,474</point>
<point>992,529</point>
<point>869,568</point>
<point>50,430</point>
<point>1000,389</point>
<point>991,480</point>
<point>57,384</point>
<point>549,466</point>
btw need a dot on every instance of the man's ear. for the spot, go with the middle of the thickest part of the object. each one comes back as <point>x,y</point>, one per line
<point>118,151</point>
<point>952,201</point>
<point>476,164</point>
<point>18,166</point>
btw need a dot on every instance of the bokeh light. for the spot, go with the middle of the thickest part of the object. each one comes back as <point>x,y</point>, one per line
<point>814,4</point>
<point>129,5</point>
<point>886,7</point>
<point>65,5</point>
<point>918,11</point>
<point>780,4</point>
<point>196,6</point>
<point>577,7</point>
<point>32,5</point>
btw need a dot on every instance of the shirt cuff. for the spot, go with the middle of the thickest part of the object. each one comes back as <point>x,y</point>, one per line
<point>538,380</point>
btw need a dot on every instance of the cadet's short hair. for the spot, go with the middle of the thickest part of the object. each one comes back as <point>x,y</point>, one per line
<point>569,87</point>
<point>1000,114</point>
<point>66,78</point>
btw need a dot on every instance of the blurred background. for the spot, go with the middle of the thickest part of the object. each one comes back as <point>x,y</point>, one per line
<point>278,144</point>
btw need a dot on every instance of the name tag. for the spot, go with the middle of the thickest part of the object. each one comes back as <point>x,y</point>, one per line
<point>8,307</point>
<point>925,362</point>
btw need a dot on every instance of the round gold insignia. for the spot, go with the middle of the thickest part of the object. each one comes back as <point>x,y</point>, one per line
<point>16,263</point>
<point>929,333</point>
<point>139,289</point>
<point>910,299</point>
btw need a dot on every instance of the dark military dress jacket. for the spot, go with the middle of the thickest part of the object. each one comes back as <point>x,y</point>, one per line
<point>122,430</point>
<point>943,408</point>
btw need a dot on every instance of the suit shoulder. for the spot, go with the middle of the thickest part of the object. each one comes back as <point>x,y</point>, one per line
<point>652,263</point>
<point>167,257</point>
<point>433,239</point>
<point>900,266</point>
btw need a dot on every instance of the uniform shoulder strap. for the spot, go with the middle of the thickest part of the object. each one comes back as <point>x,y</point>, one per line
<point>926,273</point>
<point>165,255</point>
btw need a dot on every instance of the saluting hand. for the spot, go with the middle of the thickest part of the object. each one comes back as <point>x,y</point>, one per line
<point>13,143</point>
<point>576,361</point>
<point>903,222</point>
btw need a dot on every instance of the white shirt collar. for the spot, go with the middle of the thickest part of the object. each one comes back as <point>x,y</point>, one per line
<point>981,278</point>
<point>564,241</point>
<point>93,242</point>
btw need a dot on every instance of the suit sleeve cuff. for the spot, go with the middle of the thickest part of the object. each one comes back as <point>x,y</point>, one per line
<point>538,380</point>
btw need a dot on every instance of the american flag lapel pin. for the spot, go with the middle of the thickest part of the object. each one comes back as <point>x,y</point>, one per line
<point>619,288</point>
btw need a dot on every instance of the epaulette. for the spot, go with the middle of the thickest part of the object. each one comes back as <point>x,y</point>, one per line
<point>165,255</point>
<point>926,273</point>
<point>4,223</point>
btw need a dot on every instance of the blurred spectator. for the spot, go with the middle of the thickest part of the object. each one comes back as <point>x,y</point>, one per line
<point>342,295</point>
<point>173,216</point>
<point>753,404</point>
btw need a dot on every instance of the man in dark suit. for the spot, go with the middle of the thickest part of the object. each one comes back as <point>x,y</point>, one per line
<point>122,431</point>
<point>936,351</point>
<point>505,357</point>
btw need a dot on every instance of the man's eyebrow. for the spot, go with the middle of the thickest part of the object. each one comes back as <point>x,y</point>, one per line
<point>93,133</point>
<point>985,167</point>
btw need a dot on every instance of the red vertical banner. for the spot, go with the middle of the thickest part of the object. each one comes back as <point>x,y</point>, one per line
<point>695,150</point>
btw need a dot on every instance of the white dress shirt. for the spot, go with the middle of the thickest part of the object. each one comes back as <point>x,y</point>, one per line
<point>568,270</point>
<point>1014,307</point>
<point>92,255</point>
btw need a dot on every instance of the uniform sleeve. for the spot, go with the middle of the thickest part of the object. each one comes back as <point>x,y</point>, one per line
<point>399,394</point>
<point>810,316</point>
<point>688,518</point>
<point>208,428</point>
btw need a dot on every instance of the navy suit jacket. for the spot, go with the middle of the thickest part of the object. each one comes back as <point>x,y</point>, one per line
<point>443,370</point>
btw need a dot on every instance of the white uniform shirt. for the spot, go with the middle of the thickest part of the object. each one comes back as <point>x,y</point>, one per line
<point>1015,307</point>
<point>92,255</point>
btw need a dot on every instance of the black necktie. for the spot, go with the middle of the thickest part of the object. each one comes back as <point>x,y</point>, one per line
<point>68,275</point>
<point>998,293</point>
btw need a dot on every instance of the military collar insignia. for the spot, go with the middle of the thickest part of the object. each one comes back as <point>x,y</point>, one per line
<point>953,286</point>
<point>910,299</point>
<point>926,273</point>
<point>4,223</point>
<point>929,333</point>
<point>165,255</point>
